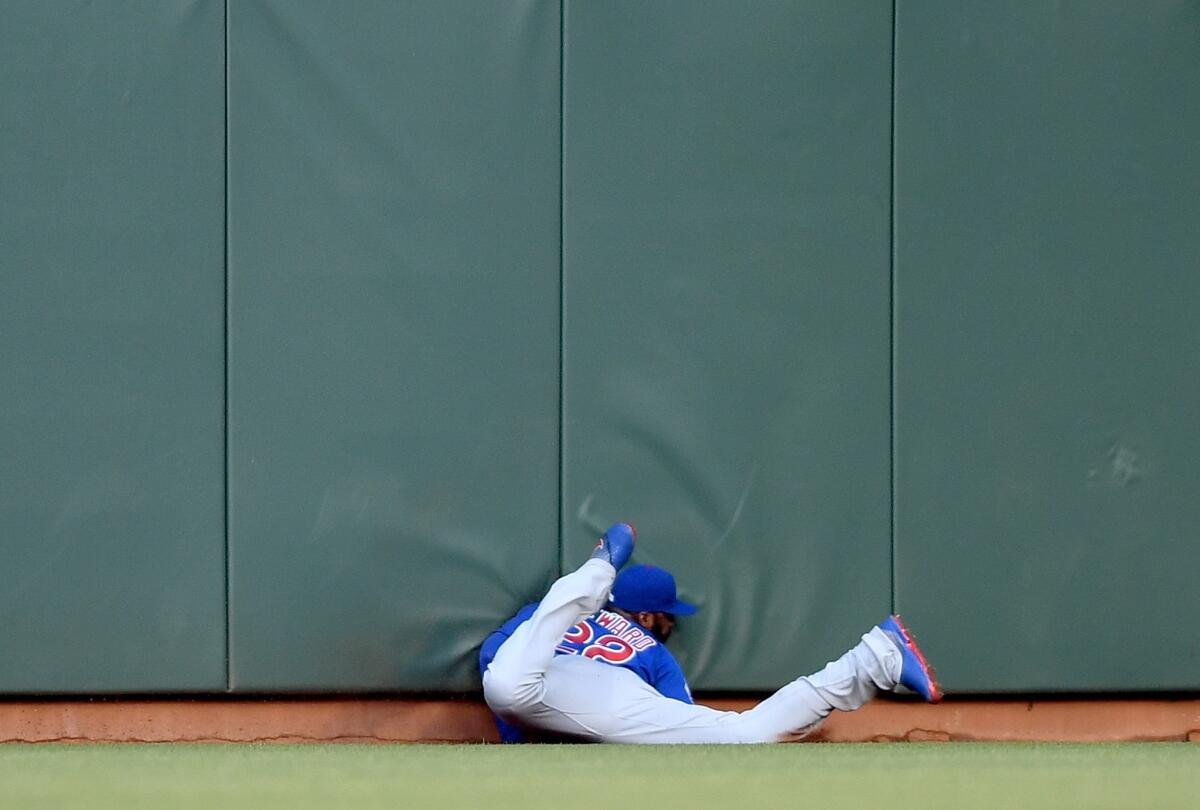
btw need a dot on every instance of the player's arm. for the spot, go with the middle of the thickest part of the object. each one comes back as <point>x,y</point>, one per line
<point>508,732</point>
<point>492,643</point>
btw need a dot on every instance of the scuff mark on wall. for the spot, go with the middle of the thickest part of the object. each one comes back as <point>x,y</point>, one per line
<point>1120,468</point>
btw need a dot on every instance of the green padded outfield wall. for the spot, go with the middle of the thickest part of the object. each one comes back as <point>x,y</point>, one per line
<point>469,281</point>
<point>394,336</point>
<point>112,561</point>
<point>1047,350</point>
<point>726,316</point>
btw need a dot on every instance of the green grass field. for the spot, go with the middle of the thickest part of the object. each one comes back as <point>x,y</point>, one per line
<point>885,776</point>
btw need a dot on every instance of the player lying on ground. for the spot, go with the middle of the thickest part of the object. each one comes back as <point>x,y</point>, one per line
<point>566,667</point>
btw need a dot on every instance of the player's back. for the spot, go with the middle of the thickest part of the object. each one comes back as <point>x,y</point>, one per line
<point>609,638</point>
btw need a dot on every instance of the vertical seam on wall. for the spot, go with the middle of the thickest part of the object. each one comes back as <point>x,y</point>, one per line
<point>892,308</point>
<point>562,286</point>
<point>228,470</point>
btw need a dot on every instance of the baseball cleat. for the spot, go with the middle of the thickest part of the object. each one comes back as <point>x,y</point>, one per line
<point>915,673</point>
<point>616,544</point>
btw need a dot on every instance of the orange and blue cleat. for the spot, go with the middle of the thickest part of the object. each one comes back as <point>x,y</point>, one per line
<point>916,673</point>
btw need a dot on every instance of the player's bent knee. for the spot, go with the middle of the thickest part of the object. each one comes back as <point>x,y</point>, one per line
<point>505,694</point>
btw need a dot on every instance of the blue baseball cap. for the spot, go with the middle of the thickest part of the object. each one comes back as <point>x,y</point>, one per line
<point>648,588</point>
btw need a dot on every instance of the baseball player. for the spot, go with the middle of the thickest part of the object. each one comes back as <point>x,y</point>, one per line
<point>569,665</point>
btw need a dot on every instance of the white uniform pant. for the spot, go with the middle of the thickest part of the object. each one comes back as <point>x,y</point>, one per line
<point>529,685</point>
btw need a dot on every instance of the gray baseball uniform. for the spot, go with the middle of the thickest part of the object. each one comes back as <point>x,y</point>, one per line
<point>527,683</point>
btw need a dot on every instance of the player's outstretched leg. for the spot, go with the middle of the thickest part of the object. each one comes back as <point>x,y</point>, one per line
<point>515,680</point>
<point>846,684</point>
<point>886,657</point>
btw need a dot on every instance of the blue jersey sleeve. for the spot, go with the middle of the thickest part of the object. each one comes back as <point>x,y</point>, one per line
<point>668,677</point>
<point>508,732</point>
